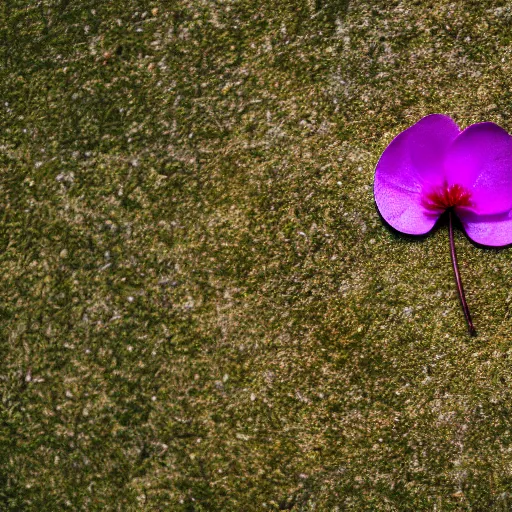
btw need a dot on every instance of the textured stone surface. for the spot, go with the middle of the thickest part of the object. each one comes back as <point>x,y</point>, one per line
<point>201,309</point>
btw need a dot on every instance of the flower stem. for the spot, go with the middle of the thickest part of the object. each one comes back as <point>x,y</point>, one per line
<point>460,289</point>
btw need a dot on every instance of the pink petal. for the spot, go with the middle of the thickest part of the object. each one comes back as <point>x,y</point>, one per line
<point>480,160</point>
<point>412,162</point>
<point>493,230</point>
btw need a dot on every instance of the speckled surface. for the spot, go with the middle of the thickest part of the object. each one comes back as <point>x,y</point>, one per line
<point>201,308</point>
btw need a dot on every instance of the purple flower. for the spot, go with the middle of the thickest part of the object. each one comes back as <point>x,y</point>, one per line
<point>433,167</point>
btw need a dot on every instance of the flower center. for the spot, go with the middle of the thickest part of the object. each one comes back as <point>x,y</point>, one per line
<point>446,196</point>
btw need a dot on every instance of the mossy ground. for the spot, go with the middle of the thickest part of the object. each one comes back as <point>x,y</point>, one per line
<point>201,309</point>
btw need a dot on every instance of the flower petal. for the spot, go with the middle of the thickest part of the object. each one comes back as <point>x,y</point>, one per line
<point>412,161</point>
<point>493,230</point>
<point>480,160</point>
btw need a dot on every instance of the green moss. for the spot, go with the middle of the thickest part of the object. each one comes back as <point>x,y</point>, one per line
<point>201,308</point>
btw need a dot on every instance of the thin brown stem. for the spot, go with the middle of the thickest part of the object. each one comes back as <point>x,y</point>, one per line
<point>460,289</point>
